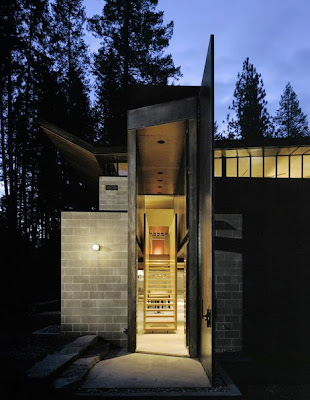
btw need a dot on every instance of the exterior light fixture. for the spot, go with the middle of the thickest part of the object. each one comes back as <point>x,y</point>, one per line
<point>96,247</point>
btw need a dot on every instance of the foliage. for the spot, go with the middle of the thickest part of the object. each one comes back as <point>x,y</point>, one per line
<point>44,69</point>
<point>290,120</point>
<point>132,51</point>
<point>42,76</point>
<point>252,120</point>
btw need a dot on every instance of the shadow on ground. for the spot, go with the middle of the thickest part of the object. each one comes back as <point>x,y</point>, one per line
<point>257,378</point>
<point>268,378</point>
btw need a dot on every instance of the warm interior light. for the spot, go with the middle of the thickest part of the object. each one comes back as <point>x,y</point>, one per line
<point>96,247</point>
<point>158,246</point>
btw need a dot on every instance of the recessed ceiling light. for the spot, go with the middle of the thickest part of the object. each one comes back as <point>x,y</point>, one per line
<point>161,141</point>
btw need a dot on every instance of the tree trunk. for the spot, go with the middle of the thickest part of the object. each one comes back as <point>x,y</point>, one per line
<point>3,147</point>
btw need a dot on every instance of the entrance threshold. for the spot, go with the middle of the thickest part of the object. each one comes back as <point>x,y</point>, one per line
<point>157,353</point>
<point>144,375</point>
<point>134,370</point>
<point>168,344</point>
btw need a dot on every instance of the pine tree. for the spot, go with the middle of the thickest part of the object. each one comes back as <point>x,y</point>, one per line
<point>290,120</point>
<point>71,64</point>
<point>32,87</point>
<point>72,110</point>
<point>132,51</point>
<point>217,135</point>
<point>24,72</point>
<point>11,36</point>
<point>249,105</point>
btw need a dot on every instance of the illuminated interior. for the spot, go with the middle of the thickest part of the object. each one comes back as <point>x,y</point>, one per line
<point>263,162</point>
<point>252,162</point>
<point>161,229</point>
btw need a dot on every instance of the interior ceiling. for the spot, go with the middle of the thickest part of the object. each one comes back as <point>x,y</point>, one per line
<point>160,162</point>
<point>160,217</point>
<point>159,201</point>
<point>159,230</point>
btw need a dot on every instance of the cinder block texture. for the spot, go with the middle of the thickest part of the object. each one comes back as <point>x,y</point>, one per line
<point>228,225</point>
<point>228,286</point>
<point>228,301</point>
<point>94,283</point>
<point>113,193</point>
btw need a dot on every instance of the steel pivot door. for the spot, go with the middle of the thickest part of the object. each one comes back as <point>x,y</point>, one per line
<point>205,209</point>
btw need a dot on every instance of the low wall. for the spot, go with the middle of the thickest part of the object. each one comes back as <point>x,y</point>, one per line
<point>94,283</point>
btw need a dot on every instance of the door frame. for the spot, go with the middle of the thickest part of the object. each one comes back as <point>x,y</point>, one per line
<point>178,110</point>
<point>205,165</point>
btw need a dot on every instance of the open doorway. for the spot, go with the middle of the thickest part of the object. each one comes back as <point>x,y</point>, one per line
<point>174,140</point>
<point>161,282</point>
<point>161,233</point>
<point>162,170</point>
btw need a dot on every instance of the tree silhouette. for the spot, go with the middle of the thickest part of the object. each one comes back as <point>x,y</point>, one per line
<point>252,120</point>
<point>290,120</point>
<point>71,64</point>
<point>132,51</point>
<point>36,82</point>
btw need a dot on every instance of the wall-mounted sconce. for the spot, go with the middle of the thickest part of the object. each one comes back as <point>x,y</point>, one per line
<point>96,247</point>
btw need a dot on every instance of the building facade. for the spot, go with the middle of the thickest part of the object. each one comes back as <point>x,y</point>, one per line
<point>190,250</point>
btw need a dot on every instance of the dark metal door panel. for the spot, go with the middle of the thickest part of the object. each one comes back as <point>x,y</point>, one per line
<point>205,179</point>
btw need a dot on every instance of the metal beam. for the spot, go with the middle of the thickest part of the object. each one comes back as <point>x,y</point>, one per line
<point>192,259</point>
<point>164,113</point>
<point>132,246</point>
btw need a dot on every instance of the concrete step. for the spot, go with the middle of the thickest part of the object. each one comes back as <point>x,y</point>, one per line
<point>76,372</point>
<point>54,363</point>
<point>50,305</point>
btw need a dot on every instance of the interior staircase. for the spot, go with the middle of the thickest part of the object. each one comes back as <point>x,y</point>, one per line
<point>160,302</point>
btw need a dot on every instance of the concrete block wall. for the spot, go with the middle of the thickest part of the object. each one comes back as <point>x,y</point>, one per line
<point>113,193</point>
<point>228,226</point>
<point>228,288</point>
<point>94,283</point>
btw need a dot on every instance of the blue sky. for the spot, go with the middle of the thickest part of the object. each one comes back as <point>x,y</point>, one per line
<point>274,34</point>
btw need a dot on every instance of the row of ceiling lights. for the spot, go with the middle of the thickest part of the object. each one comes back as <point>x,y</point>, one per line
<point>160,172</point>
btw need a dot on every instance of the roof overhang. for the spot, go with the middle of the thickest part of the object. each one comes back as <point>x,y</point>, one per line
<point>85,158</point>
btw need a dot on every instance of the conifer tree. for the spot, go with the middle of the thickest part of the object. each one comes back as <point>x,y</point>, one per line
<point>33,85</point>
<point>71,62</point>
<point>72,110</point>
<point>217,135</point>
<point>11,43</point>
<point>252,120</point>
<point>290,120</point>
<point>134,39</point>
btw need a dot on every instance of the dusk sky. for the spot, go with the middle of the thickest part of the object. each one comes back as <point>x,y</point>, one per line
<point>274,34</point>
